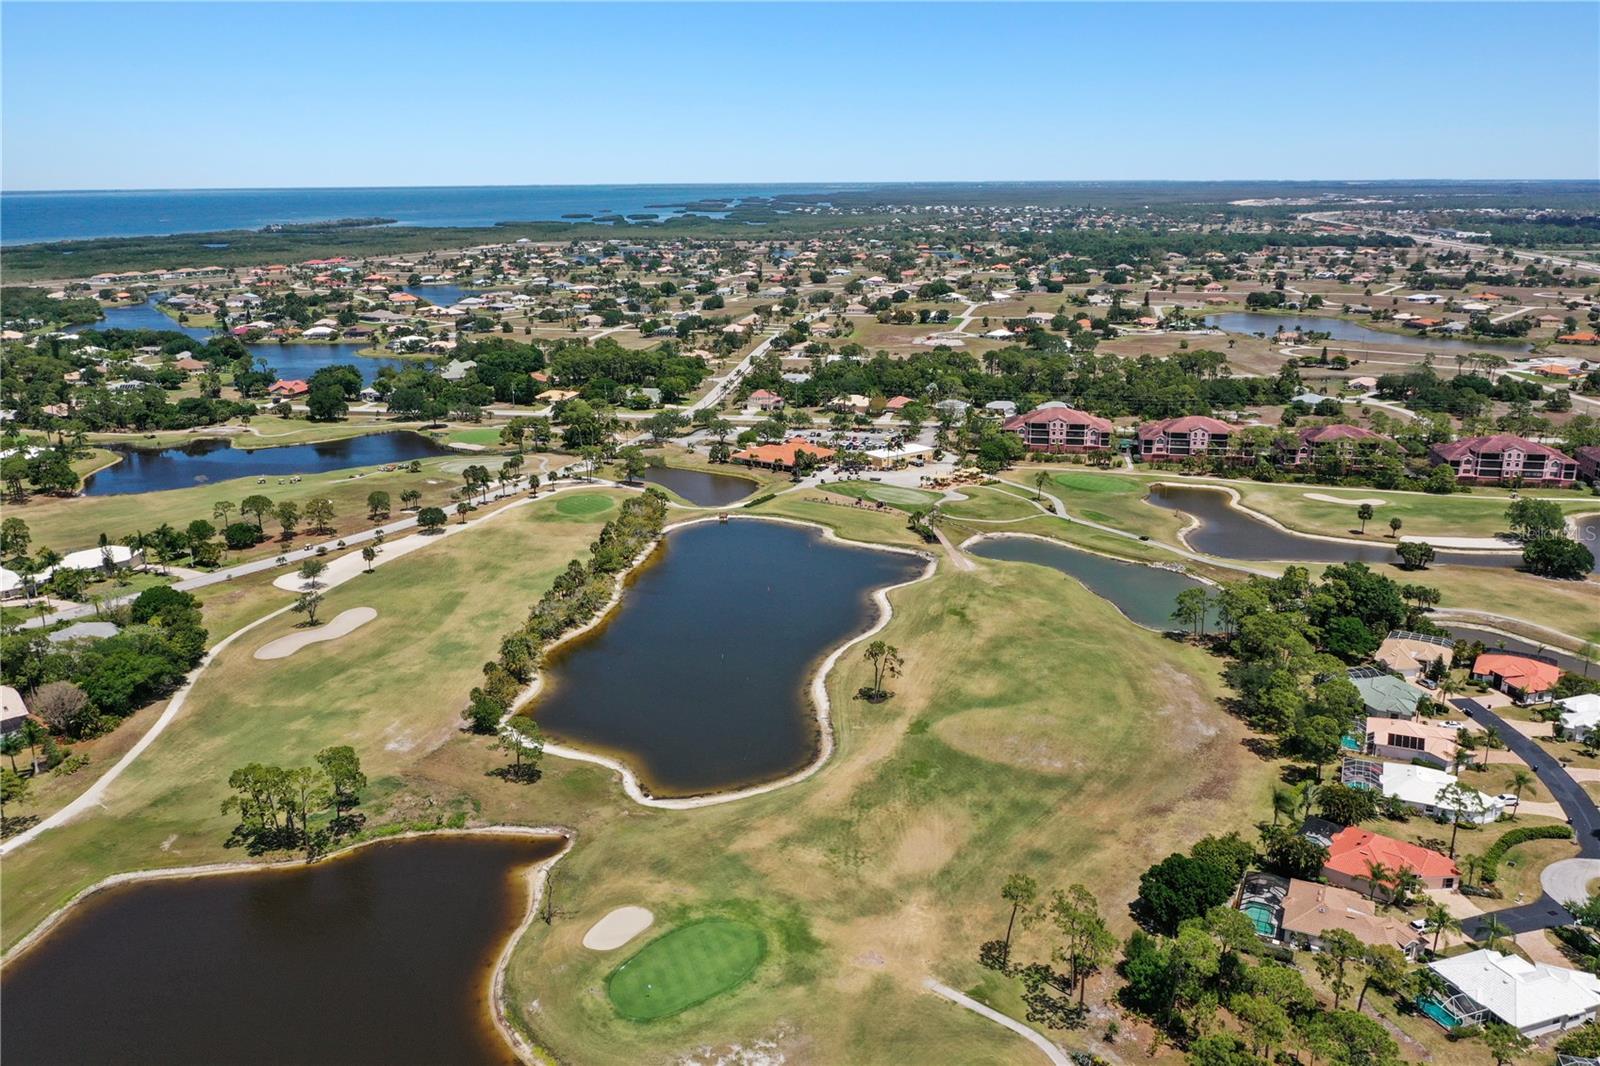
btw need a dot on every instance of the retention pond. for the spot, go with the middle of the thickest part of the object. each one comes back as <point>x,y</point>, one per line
<point>699,678</point>
<point>384,956</point>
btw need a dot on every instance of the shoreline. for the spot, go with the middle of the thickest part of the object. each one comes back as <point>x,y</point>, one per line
<point>538,874</point>
<point>1235,501</point>
<point>821,704</point>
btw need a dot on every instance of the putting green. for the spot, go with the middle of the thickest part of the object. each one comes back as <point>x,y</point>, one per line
<point>685,967</point>
<point>584,503</point>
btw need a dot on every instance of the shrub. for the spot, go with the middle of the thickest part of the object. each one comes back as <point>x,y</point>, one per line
<point>1521,835</point>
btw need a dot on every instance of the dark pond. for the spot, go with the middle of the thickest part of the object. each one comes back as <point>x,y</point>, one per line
<point>1587,533</point>
<point>204,461</point>
<point>700,680</point>
<point>1352,329</point>
<point>1144,593</point>
<point>385,956</point>
<point>441,294</point>
<point>1228,533</point>
<point>700,487</point>
<point>286,360</point>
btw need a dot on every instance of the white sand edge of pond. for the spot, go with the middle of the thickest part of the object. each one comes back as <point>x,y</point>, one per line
<point>617,928</point>
<point>342,624</point>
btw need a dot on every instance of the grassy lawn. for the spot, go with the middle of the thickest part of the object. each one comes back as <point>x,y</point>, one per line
<point>394,689</point>
<point>1570,606</point>
<point>851,523</point>
<point>894,495</point>
<point>1110,499</point>
<point>67,524</point>
<point>264,431</point>
<point>488,436</point>
<point>1479,514</point>
<point>878,871</point>
<point>993,505</point>
<point>685,968</point>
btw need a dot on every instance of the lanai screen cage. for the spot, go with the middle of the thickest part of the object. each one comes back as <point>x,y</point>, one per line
<point>1362,773</point>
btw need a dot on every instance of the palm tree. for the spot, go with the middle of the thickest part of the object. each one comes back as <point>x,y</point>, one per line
<point>1521,781</point>
<point>1438,921</point>
<point>1284,803</point>
<point>1408,885</point>
<point>1308,793</point>
<point>1040,480</point>
<point>1378,878</point>
<point>1493,930</point>
<point>1471,866</point>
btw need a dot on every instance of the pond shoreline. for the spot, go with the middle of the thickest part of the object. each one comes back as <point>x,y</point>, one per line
<point>537,878</point>
<point>821,704</point>
<point>1236,502</point>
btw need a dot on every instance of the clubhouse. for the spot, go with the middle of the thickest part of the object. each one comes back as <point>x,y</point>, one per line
<point>782,456</point>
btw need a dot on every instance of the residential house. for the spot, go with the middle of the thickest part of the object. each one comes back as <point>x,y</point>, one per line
<point>1413,739</point>
<point>1580,716</point>
<point>1522,677</point>
<point>1409,654</point>
<point>1352,853</point>
<point>1384,695</point>
<point>288,389</point>
<point>1001,409</point>
<point>762,400</point>
<point>456,369</point>
<point>1419,788</point>
<point>1311,910</point>
<point>556,395</point>
<point>13,712</point>
<point>781,456</point>
<point>1055,427</point>
<point>1534,998</point>
<point>1300,913</point>
<point>1504,457</point>
<point>1180,438</point>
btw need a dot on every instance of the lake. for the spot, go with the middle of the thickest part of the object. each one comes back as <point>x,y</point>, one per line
<point>204,461</point>
<point>384,956</point>
<point>287,360</point>
<point>1351,329</point>
<point>55,216</point>
<point>1228,533</point>
<point>1146,594</point>
<point>699,679</point>
<point>700,487</point>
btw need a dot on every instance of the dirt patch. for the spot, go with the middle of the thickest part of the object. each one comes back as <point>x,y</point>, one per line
<point>1322,497</point>
<point>927,846</point>
<point>1033,742</point>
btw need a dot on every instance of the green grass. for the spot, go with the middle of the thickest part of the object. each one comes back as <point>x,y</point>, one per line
<point>893,495</point>
<point>685,968</point>
<point>485,435</point>
<point>584,504</point>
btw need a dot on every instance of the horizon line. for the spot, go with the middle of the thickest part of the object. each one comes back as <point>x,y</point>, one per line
<point>796,182</point>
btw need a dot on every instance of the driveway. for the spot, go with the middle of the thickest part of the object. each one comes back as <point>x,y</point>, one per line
<point>1564,880</point>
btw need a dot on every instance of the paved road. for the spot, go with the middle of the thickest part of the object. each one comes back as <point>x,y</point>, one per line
<point>1544,912</point>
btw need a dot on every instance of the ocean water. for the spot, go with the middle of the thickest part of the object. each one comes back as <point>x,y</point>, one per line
<point>27,217</point>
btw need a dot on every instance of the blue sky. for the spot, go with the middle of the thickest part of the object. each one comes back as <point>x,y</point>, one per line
<point>240,95</point>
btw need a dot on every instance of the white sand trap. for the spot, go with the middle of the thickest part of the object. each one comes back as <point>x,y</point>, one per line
<point>617,928</point>
<point>1324,498</point>
<point>343,623</point>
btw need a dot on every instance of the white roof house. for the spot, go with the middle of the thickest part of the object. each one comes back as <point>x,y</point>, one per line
<point>1580,715</point>
<point>13,712</point>
<point>1532,997</point>
<point>1419,787</point>
<point>117,555</point>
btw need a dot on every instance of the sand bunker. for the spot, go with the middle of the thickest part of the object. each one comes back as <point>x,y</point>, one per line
<point>1324,498</point>
<point>617,928</point>
<point>343,623</point>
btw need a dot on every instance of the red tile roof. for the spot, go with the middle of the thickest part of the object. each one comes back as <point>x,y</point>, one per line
<point>1337,431</point>
<point>1530,675</point>
<point>783,454</point>
<point>1495,444</point>
<point>1351,849</point>
<point>1185,424</point>
<point>1070,415</point>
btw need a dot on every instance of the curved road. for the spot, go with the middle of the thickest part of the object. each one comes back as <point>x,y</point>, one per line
<point>1546,912</point>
